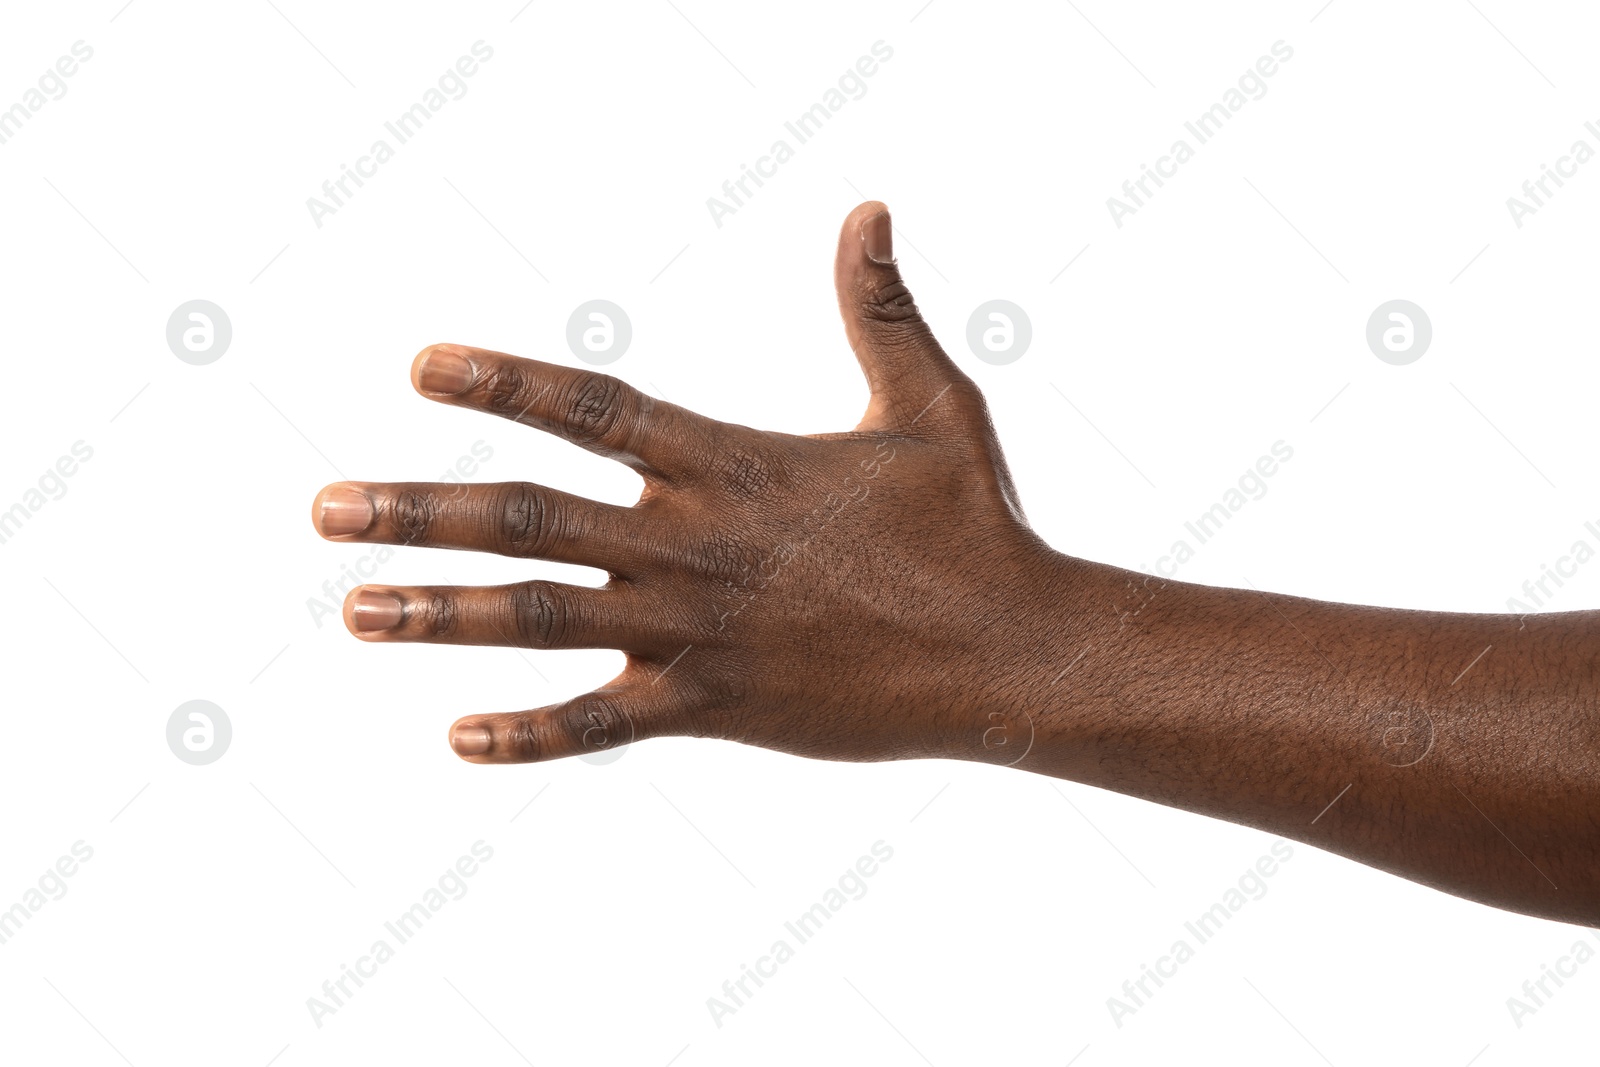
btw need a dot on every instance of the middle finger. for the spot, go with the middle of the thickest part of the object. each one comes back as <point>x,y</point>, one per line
<point>509,518</point>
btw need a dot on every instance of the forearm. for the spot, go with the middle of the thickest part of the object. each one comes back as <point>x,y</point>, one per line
<point>1461,751</point>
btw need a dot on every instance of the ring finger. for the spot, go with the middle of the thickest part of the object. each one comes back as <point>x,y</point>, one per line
<point>536,614</point>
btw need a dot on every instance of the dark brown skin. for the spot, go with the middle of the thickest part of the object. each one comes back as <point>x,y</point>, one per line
<point>877,594</point>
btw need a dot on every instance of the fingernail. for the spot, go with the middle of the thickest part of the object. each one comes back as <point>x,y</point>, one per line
<point>376,611</point>
<point>445,371</point>
<point>345,511</point>
<point>878,238</point>
<point>469,740</point>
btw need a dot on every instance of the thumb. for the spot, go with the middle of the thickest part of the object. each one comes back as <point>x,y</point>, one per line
<point>908,373</point>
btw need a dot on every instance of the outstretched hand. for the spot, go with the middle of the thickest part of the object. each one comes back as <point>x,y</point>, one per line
<point>852,595</point>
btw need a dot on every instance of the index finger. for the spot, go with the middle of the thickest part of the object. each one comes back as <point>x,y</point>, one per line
<point>592,410</point>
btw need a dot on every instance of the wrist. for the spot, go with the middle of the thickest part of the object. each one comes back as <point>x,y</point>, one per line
<point>1053,622</point>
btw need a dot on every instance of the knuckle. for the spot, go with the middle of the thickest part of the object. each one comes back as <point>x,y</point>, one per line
<point>595,723</point>
<point>539,617</point>
<point>709,704</point>
<point>413,513</point>
<point>508,389</point>
<point>441,615</point>
<point>527,519</point>
<point>891,303</point>
<point>723,558</point>
<point>723,691</point>
<point>745,473</point>
<point>520,739</point>
<point>595,408</point>
<point>969,410</point>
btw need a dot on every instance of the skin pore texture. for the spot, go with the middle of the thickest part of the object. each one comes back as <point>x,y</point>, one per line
<point>877,594</point>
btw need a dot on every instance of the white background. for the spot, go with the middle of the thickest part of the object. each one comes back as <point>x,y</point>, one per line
<point>1227,314</point>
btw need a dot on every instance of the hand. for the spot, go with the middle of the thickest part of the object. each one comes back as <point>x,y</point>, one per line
<point>850,595</point>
